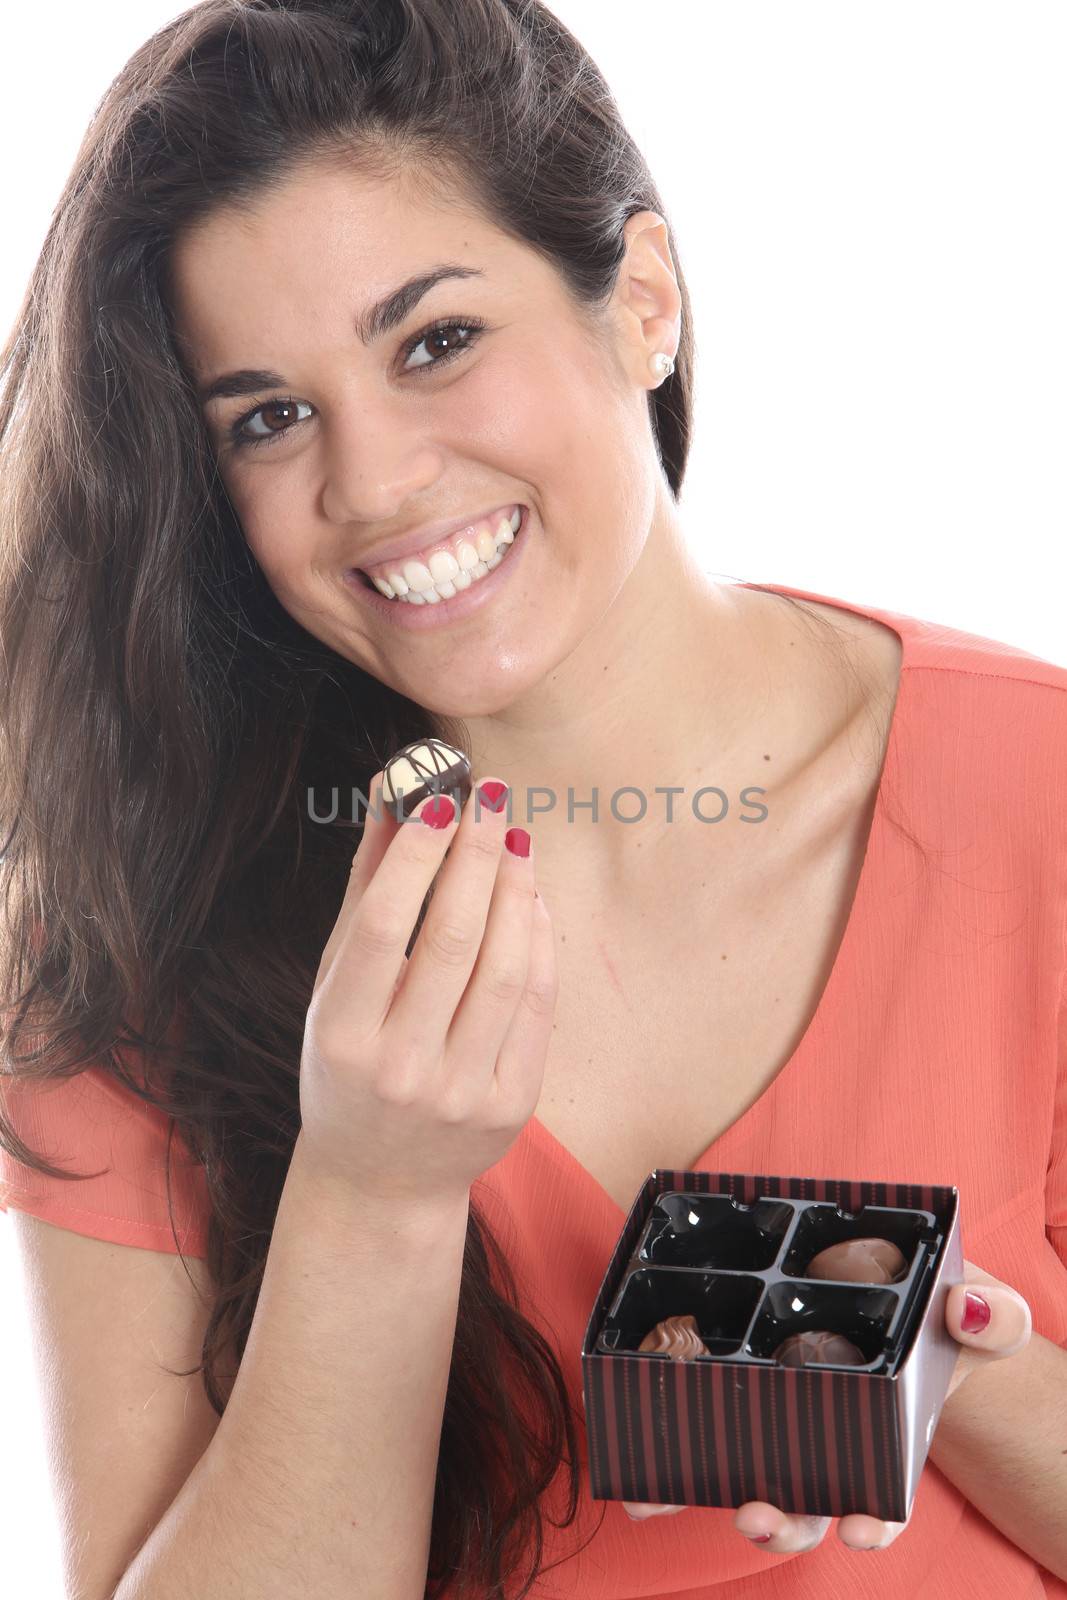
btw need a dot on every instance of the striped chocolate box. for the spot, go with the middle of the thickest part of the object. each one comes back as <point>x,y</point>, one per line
<point>735,1425</point>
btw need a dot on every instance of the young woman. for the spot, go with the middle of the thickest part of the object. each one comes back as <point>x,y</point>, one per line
<point>334,290</point>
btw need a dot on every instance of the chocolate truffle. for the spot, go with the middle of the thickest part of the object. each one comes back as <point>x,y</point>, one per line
<point>426,768</point>
<point>859,1261</point>
<point>677,1337</point>
<point>815,1347</point>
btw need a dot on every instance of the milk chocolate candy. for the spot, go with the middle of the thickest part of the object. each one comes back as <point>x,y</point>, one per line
<point>428,767</point>
<point>677,1337</point>
<point>859,1261</point>
<point>815,1347</point>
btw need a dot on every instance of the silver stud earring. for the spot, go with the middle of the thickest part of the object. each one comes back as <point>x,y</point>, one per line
<point>662,365</point>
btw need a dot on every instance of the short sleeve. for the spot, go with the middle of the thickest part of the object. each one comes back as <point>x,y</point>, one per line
<point>91,1123</point>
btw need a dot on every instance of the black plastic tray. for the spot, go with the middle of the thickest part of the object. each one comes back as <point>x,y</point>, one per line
<point>739,1270</point>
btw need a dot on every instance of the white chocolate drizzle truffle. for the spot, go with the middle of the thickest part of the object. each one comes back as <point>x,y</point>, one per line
<point>429,767</point>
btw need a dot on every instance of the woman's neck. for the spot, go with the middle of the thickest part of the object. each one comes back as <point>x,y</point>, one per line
<point>683,683</point>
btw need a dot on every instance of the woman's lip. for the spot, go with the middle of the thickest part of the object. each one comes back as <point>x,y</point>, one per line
<point>411,550</point>
<point>463,603</point>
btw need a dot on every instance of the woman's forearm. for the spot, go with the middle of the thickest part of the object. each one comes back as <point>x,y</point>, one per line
<point>320,1477</point>
<point>1002,1440</point>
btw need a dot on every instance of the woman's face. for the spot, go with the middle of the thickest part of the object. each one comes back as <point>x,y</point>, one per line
<point>353,440</point>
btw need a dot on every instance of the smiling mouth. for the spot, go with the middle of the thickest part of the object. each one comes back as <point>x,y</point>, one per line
<point>412,582</point>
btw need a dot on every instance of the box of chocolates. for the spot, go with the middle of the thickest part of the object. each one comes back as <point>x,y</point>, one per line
<point>778,1339</point>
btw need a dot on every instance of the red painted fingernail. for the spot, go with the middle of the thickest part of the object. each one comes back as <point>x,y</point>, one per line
<point>517,841</point>
<point>493,794</point>
<point>437,812</point>
<point>976,1312</point>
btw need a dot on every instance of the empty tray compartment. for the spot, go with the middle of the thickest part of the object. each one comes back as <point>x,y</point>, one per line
<point>715,1231</point>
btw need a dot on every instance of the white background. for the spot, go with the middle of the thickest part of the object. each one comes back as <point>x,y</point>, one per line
<point>868,205</point>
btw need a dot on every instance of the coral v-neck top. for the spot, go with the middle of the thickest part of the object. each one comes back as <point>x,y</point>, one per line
<point>937,1054</point>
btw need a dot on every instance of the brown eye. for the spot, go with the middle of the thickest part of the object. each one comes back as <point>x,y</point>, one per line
<point>283,410</point>
<point>454,336</point>
<point>279,415</point>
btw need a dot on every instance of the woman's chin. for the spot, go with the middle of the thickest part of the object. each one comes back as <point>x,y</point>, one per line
<point>489,694</point>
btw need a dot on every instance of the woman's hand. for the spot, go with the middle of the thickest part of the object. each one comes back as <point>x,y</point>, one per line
<point>416,1075</point>
<point>990,1321</point>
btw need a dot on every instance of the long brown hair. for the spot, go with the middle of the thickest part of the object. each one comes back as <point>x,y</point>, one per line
<point>164,721</point>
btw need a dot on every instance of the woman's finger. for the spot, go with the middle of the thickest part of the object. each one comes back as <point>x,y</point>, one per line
<point>641,1510</point>
<point>988,1318</point>
<point>379,827</point>
<point>776,1532</point>
<point>377,918</point>
<point>494,995</point>
<point>520,1064</point>
<point>859,1532</point>
<point>450,945</point>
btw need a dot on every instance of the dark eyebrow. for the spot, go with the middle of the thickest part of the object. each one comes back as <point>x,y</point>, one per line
<point>381,317</point>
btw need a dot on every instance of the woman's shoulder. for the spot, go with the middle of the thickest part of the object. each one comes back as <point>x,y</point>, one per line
<point>937,644</point>
<point>1016,691</point>
<point>942,646</point>
<point>977,732</point>
<point>1001,706</point>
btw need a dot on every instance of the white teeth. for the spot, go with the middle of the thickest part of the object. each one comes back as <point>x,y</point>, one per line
<point>445,574</point>
<point>443,566</point>
<point>418,576</point>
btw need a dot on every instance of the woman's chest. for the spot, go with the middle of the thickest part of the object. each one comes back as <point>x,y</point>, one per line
<point>669,1028</point>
